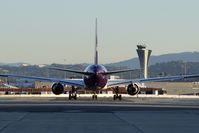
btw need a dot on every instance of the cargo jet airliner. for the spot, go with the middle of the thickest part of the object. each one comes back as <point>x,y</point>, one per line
<point>95,77</point>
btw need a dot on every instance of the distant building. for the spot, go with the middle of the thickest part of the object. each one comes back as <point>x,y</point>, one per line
<point>25,83</point>
<point>112,77</point>
<point>39,84</point>
<point>177,88</point>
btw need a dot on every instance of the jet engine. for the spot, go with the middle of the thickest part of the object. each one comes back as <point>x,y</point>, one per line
<point>57,88</point>
<point>133,89</point>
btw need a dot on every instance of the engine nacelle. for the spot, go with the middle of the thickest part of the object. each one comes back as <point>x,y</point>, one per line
<point>57,88</point>
<point>133,89</point>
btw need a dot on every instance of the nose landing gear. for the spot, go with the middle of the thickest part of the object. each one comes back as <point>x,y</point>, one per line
<point>94,96</point>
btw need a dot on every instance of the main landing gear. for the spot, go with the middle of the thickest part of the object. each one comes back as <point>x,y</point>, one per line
<point>117,96</point>
<point>73,94</point>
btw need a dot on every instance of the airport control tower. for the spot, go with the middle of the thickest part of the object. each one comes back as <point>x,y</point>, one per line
<point>144,55</point>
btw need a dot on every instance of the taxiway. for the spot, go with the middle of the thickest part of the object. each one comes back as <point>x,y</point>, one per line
<point>137,115</point>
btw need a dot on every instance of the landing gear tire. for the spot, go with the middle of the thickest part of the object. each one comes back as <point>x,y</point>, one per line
<point>94,97</point>
<point>75,97</point>
<point>120,97</point>
<point>114,97</point>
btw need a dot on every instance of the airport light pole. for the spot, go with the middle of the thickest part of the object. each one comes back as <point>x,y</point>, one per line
<point>184,67</point>
<point>5,72</point>
<point>65,68</point>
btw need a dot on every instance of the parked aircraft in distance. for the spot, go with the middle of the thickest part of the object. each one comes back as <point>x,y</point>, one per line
<point>95,77</point>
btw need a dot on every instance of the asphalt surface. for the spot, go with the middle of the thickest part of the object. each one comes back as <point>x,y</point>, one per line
<point>131,115</point>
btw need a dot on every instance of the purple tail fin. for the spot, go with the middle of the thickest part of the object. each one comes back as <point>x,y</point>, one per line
<point>96,43</point>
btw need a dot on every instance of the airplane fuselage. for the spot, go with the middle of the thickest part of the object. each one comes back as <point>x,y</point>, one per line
<point>98,79</point>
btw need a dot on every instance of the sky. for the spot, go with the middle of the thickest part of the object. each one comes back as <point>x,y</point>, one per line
<point>63,31</point>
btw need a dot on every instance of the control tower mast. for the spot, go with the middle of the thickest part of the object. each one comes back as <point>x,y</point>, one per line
<point>144,55</point>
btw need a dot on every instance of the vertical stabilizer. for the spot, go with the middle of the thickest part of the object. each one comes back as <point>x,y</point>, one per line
<point>96,43</point>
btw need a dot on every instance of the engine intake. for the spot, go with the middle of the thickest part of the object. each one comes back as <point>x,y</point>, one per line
<point>133,89</point>
<point>57,88</point>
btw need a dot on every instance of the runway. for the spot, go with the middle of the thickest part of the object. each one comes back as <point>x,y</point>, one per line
<point>22,115</point>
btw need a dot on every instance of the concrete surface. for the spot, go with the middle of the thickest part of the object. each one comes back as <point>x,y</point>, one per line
<point>52,115</point>
<point>105,96</point>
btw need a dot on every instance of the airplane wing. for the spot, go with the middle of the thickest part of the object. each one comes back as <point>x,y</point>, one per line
<point>112,83</point>
<point>72,82</point>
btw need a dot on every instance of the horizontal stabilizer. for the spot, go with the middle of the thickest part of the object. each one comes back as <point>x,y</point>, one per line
<point>120,71</point>
<point>70,70</point>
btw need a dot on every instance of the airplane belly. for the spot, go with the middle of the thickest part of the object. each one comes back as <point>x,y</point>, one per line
<point>95,81</point>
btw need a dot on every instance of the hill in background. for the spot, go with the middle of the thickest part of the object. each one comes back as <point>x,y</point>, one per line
<point>169,64</point>
<point>185,57</point>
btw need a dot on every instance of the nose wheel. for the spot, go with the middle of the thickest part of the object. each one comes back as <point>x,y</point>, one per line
<point>94,97</point>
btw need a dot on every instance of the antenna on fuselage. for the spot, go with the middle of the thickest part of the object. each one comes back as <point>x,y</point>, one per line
<point>96,43</point>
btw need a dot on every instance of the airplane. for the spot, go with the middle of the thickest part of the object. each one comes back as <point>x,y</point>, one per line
<point>95,77</point>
